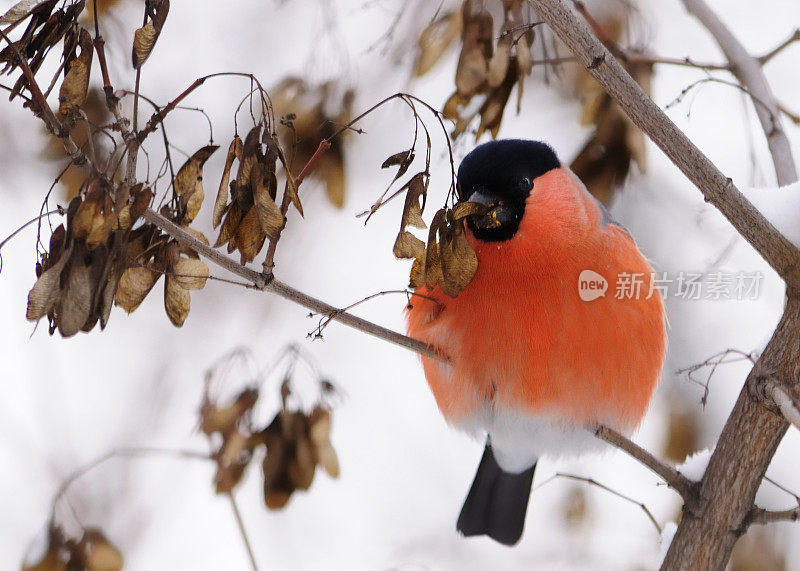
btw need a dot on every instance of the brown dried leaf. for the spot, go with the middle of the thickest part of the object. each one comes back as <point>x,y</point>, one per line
<point>124,217</point>
<point>269,215</point>
<point>464,209</point>
<point>134,285</point>
<point>435,39</point>
<point>221,203</point>
<point>319,434</point>
<point>190,273</point>
<point>176,301</point>
<point>107,298</point>
<point>492,109</point>
<point>75,304</point>
<point>229,225</point>
<point>218,419</point>
<point>277,487</point>
<point>523,52</point>
<point>88,209</point>
<point>76,82</point>
<point>187,176</point>
<point>46,292</point>
<point>141,200</point>
<point>302,466</point>
<point>397,159</point>
<point>414,205</point>
<point>498,65</point>
<point>417,277</point>
<point>294,196</point>
<point>233,458</point>
<point>58,240</point>
<point>403,159</point>
<point>249,236</point>
<point>430,273</point>
<point>331,167</point>
<point>459,261</point>
<point>98,553</point>
<point>189,181</point>
<point>476,50</point>
<point>453,105</point>
<point>408,246</point>
<point>19,11</point>
<point>224,419</point>
<point>144,39</point>
<point>250,154</point>
<point>103,223</point>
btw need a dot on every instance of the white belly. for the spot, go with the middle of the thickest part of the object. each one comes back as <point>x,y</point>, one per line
<point>520,438</point>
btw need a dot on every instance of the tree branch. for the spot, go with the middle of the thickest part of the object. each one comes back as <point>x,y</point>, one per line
<point>747,70</point>
<point>786,404</point>
<point>674,479</point>
<point>762,516</point>
<point>715,186</point>
<point>267,283</point>
<point>795,37</point>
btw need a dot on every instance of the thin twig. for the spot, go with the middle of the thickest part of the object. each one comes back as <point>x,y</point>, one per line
<point>33,220</point>
<point>159,115</point>
<point>795,37</point>
<point>593,482</point>
<point>326,320</point>
<point>287,292</point>
<point>243,531</point>
<point>129,452</point>
<point>674,479</point>
<point>682,62</point>
<point>748,71</point>
<point>40,103</point>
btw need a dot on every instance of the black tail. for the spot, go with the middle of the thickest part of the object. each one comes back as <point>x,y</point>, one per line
<point>497,502</point>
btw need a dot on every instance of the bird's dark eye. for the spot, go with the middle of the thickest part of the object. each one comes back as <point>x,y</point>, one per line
<point>524,184</point>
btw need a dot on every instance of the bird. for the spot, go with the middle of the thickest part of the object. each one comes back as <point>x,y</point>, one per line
<point>538,346</point>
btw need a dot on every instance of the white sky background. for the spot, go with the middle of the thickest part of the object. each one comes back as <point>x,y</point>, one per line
<point>404,472</point>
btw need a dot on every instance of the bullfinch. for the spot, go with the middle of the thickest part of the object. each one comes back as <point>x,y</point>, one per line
<point>544,341</point>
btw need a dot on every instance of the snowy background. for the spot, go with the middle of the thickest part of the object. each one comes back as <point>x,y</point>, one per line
<point>404,472</point>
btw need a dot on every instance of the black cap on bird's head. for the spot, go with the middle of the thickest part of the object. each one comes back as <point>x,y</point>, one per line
<point>500,174</point>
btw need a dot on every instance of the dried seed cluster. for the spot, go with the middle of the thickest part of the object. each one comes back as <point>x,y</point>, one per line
<point>92,551</point>
<point>487,69</point>
<point>252,214</point>
<point>293,444</point>
<point>309,115</point>
<point>605,160</point>
<point>79,278</point>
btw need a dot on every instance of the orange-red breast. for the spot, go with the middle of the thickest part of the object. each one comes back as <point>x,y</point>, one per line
<point>536,353</point>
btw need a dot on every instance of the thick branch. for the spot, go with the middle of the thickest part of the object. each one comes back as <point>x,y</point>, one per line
<point>762,516</point>
<point>748,71</point>
<point>674,479</point>
<point>287,292</point>
<point>715,186</point>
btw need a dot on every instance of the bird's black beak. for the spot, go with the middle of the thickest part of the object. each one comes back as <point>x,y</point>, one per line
<point>498,212</point>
